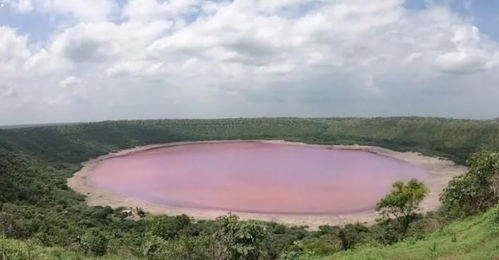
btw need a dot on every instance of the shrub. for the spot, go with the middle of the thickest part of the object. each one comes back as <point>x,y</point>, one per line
<point>236,239</point>
<point>93,243</point>
<point>403,202</point>
<point>475,191</point>
<point>325,245</point>
<point>170,227</point>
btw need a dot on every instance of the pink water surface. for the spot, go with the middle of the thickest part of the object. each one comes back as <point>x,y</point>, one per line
<point>255,177</point>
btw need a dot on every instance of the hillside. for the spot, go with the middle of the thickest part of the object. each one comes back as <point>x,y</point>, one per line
<point>473,238</point>
<point>454,139</point>
<point>36,205</point>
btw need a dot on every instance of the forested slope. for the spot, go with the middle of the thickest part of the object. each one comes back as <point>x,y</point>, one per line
<point>454,139</point>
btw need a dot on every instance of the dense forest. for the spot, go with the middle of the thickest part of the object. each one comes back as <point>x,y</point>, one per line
<point>40,218</point>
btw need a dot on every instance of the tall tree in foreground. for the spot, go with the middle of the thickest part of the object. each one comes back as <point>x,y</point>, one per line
<point>403,202</point>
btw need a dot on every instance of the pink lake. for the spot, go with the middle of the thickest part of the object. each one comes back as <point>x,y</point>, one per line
<point>255,177</point>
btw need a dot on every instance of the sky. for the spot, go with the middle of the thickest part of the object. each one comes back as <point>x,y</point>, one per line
<point>94,60</point>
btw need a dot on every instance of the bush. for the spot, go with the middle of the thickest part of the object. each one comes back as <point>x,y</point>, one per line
<point>193,248</point>
<point>475,191</point>
<point>353,234</point>
<point>93,243</point>
<point>154,247</point>
<point>402,203</point>
<point>236,239</point>
<point>170,227</point>
<point>322,246</point>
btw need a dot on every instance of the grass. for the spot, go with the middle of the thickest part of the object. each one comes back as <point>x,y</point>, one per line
<point>21,250</point>
<point>473,238</point>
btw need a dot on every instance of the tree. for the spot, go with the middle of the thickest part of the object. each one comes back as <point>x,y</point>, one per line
<point>93,243</point>
<point>352,234</point>
<point>236,239</point>
<point>169,227</point>
<point>475,191</point>
<point>403,202</point>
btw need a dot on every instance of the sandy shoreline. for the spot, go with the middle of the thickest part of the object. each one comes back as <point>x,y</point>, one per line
<point>439,172</point>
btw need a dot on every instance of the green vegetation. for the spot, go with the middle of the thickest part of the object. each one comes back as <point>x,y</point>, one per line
<point>19,250</point>
<point>404,199</point>
<point>454,139</point>
<point>475,191</point>
<point>472,238</point>
<point>40,218</point>
<point>402,203</point>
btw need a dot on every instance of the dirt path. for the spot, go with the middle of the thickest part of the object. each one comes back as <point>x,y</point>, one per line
<point>439,172</point>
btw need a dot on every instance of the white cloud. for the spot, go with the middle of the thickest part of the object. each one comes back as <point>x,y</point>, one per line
<point>462,61</point>
<point>82,10</point>
<point>13,51</point>
<point>252,58</point>
<point>69,82</point>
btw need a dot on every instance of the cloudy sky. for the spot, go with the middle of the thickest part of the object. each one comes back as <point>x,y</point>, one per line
<point>90,60</point>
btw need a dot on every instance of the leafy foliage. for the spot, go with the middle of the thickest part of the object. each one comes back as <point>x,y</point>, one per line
<point>404,199</point>
<point>93,243</point>
<point>475,191</point>
<point>473,238</point>
<point>170,228</point>
<point>238,240</point>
